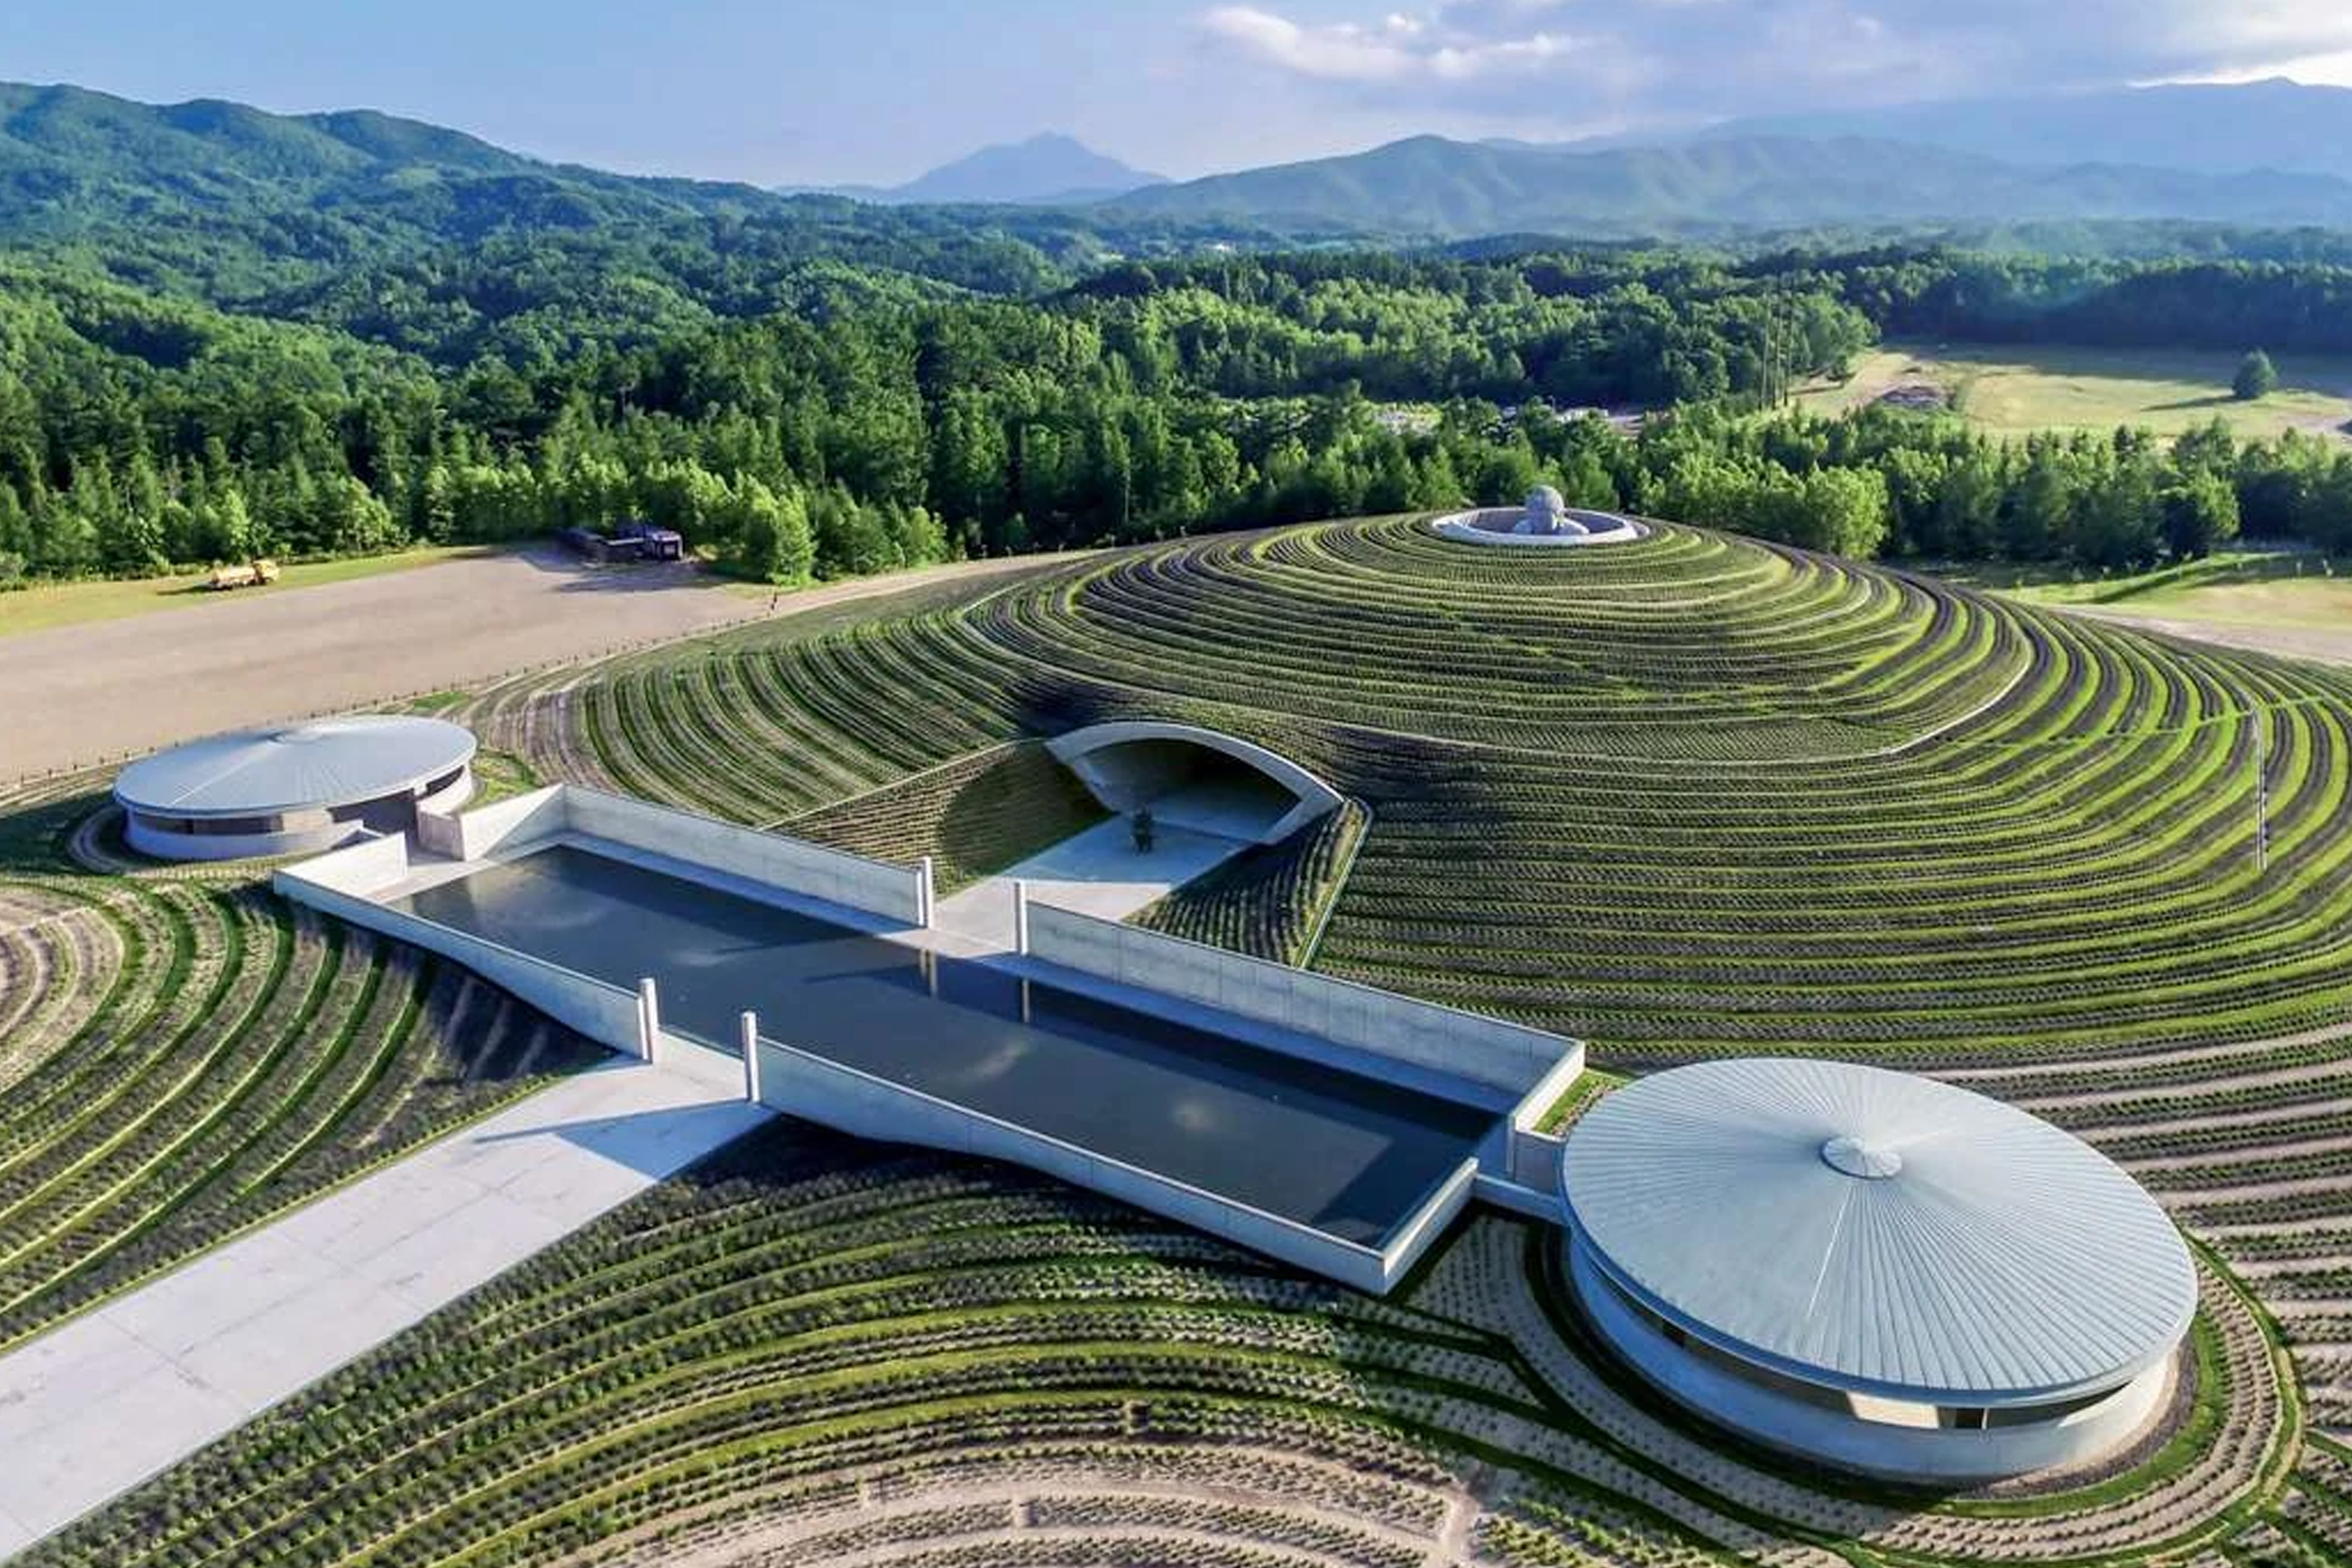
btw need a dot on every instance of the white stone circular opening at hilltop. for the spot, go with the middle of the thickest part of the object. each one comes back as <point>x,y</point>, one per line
<point>1546,519</point>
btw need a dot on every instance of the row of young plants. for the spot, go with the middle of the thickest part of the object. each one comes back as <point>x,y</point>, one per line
<point>806,1310</point>
<point>232,1060</point>
<point>1271,900</point>
<point>784,1312</point>
<point>974,816</point>
<point>1694,796</point>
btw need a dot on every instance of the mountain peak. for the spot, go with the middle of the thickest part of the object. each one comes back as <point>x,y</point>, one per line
<point>1048,167</point>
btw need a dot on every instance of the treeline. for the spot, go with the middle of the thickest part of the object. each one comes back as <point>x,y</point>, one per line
<point>877,421</point>
<point>1887,481</point>
<point>2104,302</point>
<point>138,430</point>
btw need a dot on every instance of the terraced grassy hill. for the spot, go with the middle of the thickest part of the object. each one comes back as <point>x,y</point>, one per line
<point>1686,796</point>
<point>181,1056</point>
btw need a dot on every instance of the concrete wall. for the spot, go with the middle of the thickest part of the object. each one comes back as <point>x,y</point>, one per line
<point>1534,1159</point>
<point>682,840</point>
<point>163,846</point>
<point>1492,524</point>
<point>1936,1455</point>
<point>801,1085</point>
<point>358,869</point>
<point>893,892</point>
<point>451,797</point>
<point>1134,762</point>
<point>605,1014</point>
<point>1508,1057</point>
<point>512,823</point>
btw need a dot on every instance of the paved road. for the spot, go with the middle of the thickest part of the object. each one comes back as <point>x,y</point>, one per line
<point>111,1398</point>
<point>81,695</point>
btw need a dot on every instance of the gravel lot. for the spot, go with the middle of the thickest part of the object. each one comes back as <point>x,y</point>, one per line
<point>80,695</point>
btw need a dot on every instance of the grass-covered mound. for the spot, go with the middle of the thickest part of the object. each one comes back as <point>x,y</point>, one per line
<point>1688,796</point>
<point>814,1350</point>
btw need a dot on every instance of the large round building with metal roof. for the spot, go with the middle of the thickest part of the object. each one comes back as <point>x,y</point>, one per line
<point>294,789</point>
<point>1874,1270</point>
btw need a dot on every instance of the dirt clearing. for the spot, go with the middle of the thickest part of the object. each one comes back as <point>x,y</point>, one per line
<point>76,696</point>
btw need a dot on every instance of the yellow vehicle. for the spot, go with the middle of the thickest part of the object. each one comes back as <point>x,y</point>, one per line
<point>254,574</point>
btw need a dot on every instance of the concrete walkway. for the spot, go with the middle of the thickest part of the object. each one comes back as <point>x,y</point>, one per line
<point>1098,872</point>
<point>111,1398</point>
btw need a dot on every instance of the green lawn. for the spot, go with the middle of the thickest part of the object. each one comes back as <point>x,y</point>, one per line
<point>2012,391</point>
<point>72,603</point>
<point>2245,588</point>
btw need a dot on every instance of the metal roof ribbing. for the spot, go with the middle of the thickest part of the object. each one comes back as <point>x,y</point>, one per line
<point>1948,1248</point>
<point>333,762</point>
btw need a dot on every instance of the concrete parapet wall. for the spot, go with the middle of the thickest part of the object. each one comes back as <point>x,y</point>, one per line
<point>803,1084</point>
<point>441,834</point>
<point>1509,1056</point>
<point>680,839</point>
<point>852,881</point>
<point>541,814</point>
<point>603,1013</point>
<point>358,869</point>
<point>1493,525</point>
<point>1535,1158</point>
<point>1132,762</point>
<point>1513,1198</point>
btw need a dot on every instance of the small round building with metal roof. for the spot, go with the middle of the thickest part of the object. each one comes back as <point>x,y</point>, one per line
<point>295,789</point>
<point>1874,1270</point>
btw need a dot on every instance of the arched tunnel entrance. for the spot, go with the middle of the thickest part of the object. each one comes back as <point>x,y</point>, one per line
<point>1196,777</point>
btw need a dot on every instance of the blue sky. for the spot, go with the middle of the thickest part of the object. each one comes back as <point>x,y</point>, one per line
<point>827,91</point>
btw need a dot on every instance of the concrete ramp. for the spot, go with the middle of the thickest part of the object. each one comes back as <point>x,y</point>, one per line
<point>1196,777</point>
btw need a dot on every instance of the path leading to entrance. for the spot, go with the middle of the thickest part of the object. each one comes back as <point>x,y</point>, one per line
<point>141,1382</point>
<point>1098,872</point>
<point>111,1398</point>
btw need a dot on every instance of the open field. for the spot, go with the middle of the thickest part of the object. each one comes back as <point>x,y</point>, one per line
<point>77,695</point>
<point>1682,798</point>
<point>2013,390</point>
<point>69,604</point>
<point>2294,604</point>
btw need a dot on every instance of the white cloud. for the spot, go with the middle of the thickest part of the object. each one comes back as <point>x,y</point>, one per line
<point>1570,63</point>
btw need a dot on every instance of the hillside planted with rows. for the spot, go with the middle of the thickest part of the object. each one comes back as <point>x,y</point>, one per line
<point>1690,795</point>
<point>185,1058</point>
<point>821,1352</point>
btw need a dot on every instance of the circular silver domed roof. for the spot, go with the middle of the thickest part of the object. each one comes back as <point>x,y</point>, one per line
<point>1877,1231</point>
<point>328,762</point>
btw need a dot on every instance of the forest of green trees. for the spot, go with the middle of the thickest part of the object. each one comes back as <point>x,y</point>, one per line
<point>851,418</point>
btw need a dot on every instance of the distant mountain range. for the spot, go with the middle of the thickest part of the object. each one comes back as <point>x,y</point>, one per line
<point>1720,183</point>
<point>2203,128</point>
<point>246,195</point>
<point>1048,171</point>
<point>77,165</point>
